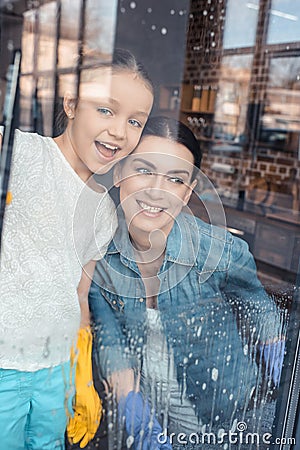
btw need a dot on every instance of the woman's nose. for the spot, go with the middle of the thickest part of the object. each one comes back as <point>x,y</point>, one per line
<point>155,186</point>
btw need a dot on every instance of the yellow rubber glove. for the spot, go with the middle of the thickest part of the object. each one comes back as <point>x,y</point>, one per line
<point>87,406</point>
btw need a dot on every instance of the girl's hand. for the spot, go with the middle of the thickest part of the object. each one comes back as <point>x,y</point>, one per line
<point>85,312</point>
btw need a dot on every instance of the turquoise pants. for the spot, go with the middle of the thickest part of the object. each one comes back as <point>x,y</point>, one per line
<point>32,408</point>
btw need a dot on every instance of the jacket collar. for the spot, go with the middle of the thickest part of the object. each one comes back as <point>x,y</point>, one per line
<point>181,245</point>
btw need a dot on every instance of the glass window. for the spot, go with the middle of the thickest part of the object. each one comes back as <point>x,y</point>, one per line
<point>284,22</point>
<point>27,103</point>
<point>44,105</point>
<point>232,98</point>
<point>240,23</point>
<point>100,30</point>
<point>47,36</point>
<point>69,33</point>
<point>28,40</point>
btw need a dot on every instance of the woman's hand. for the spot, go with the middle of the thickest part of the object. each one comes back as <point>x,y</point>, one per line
<point>143,429</point>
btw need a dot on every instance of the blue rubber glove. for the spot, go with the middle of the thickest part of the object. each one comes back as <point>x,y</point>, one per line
<point>143,429</point>
<point>273,355</point>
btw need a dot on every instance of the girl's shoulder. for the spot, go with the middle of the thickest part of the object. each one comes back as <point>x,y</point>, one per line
<point>29,140</point>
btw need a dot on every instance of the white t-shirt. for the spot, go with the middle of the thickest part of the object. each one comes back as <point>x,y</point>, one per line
<point>54,225</point>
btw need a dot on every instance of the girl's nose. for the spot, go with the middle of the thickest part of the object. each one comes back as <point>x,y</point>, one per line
<point>117,129</point>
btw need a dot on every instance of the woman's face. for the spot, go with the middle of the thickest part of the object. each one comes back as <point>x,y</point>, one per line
<point>155,183</point>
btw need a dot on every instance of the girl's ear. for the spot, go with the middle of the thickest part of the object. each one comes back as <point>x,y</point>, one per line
<point>69,105</point>
<point>117,175</point>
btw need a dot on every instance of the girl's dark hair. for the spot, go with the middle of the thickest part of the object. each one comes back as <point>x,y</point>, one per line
<point>176,131</point>
<point>122,60</point>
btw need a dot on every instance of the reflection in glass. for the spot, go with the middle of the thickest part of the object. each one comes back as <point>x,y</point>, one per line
<point>26,102</point>
<point>284,22</point>
<point>240,23</point>
<point>44,105</point>
<point>47,36</point>
<point>69,33</point>
<point>28,41</point>
<point>100,30</point>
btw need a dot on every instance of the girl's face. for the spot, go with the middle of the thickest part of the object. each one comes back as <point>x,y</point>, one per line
<point>107,122</point>
<point>155,183</point>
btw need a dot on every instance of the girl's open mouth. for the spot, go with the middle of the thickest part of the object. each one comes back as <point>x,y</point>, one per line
<point>106,150</point>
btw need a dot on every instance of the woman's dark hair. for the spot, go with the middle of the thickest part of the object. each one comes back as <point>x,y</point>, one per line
<point>122,60</point>
<point>175,131</point>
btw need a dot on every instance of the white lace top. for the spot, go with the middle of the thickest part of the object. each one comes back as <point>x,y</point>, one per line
<point>53,226</point>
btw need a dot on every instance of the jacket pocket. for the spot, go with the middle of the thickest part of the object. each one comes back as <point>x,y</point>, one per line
<point>114,300</point>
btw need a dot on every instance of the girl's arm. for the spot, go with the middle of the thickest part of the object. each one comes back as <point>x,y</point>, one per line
<point>83,292</point>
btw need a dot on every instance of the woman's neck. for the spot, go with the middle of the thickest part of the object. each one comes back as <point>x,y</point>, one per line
<point>148,246</point>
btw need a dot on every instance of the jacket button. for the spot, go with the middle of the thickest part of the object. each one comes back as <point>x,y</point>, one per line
<point>141,299</point>
<point>114,302</point>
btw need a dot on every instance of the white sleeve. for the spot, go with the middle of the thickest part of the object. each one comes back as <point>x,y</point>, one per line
<point>94,225</point>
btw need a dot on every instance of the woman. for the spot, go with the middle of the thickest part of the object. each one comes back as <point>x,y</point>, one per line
<point>178,311</point>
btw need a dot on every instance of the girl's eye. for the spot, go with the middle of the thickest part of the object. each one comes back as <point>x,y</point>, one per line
<point>144,171</point>
<point>135,123</point>
<point>105,111</point>
<point>176,180</point>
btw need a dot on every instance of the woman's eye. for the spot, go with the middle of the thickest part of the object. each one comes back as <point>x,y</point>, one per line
<point>135,123</point>
<point>144,171</point>
<point>105,111</point>
<point>176,180</point>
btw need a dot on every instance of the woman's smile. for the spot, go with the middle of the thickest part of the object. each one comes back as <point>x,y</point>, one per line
<point>150,210</point>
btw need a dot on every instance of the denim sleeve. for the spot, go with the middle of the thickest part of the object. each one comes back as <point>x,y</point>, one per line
<point>109,345</point>
<point>257,314</point>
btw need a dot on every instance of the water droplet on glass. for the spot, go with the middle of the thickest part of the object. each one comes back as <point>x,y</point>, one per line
<point>153,27</point>
<point>149,10</point>
<point>132,5</point>
<point>205,12</point>
<point>214,374</point>
<point>10,45</point>
<point>204,386</point>
<point>122,10</point>
<point>172,12</point>
<point>213,44</point>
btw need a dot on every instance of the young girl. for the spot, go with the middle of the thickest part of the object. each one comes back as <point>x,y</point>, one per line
<point>48,247</point>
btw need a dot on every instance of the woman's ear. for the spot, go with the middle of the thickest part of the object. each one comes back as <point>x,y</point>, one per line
<point>191,187</point>
<point>70,103</point>
<point>117,174</point>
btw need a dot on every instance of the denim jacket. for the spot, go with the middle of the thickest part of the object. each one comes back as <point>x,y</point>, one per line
<point>213,309</point>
